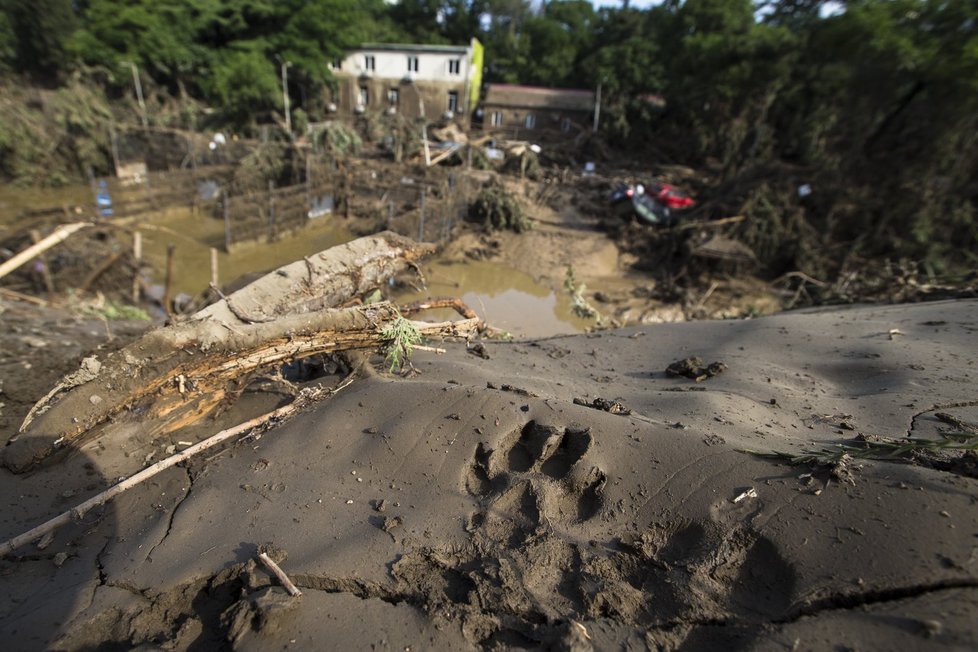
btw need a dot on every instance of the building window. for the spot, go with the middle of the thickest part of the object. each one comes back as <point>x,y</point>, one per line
<point>369,62</point>
<point>453,101</point>
<point>412,64</point>
<point>496,119</point>
<point>454,66</point>
<point>530,122</point>
<point>335,64</point>
<point>392,97</point>
<point>363,99</point>
<point>565,125</point>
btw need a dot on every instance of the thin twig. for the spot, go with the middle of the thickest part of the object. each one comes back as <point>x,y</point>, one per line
<point>275,416</point>
<point>280,574</point>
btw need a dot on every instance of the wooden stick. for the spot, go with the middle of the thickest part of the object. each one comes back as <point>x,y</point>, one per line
<point>45,271</point>
<point>441,157</point>
<point>13,294</point>
<point>168,282</point>
<point>60,235</point>
<point>137,259</point>
<point>280,574</point>
<point>454,303</point>
<point>102,268</point>
<point>214,274</point>
<point>100,499</point>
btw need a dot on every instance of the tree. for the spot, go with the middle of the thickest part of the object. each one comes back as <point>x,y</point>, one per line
<point>245,84</point>
<point>42,29</point>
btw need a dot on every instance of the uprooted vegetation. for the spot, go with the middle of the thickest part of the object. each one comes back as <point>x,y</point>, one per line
<point>181,373</point>
<point>496,208</point>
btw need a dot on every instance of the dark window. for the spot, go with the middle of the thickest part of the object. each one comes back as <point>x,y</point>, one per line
<point>454,66</point>
<point>412,64</point>
<point>369,62</point>
<point>453,101</point>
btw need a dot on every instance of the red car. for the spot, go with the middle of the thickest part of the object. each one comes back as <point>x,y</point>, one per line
<point>670,195</point>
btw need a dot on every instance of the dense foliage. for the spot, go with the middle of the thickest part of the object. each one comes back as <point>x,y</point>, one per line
<point>872,102</point>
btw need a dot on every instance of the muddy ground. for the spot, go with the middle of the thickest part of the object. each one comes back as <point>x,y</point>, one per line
<point>481,503</point>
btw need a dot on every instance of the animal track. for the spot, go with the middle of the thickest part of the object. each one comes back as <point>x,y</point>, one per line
<point>536,476</point>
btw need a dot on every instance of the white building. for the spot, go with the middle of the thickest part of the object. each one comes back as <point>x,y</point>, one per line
<point>410,79</point>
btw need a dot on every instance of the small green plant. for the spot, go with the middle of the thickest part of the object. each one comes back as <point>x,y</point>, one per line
<point>401,337</point>
<point>581,306</point>
<point>867,448</point>
<point>111,310</point>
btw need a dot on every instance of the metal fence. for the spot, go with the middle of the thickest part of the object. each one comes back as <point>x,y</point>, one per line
<point>421,209</point>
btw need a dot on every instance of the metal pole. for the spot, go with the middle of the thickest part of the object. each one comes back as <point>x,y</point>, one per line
<point>227,223</point>
<point>285,95</point>
<point>597,109</point>
<point>114,140</point>
<point>139,91</point>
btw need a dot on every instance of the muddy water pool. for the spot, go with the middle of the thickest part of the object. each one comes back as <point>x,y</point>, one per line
<point>504,297</point>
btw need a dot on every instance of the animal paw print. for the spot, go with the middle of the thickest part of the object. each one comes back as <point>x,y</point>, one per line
<point>536,476</point>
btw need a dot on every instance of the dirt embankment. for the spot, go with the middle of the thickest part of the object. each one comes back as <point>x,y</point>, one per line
<point>484,502</point>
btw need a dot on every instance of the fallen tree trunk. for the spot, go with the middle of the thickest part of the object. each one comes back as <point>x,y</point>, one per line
<point>182,372</point>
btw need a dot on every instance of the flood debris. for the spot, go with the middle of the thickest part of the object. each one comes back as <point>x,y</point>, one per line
<point>744,495</point>
<point>496,208</point>
<point>603,404</point>
<point>279,574</point>
<point>694,369</point>
<point>290,318</point>
<point>477,349</point>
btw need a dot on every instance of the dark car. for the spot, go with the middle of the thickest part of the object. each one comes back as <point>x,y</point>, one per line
<point>629,200</point>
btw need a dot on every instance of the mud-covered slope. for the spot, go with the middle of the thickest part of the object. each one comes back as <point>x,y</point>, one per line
<point>476,505</point>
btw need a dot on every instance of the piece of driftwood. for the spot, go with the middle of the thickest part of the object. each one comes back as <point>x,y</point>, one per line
<point>453,303</point>
<point>204,358</point>
<point>275,416</point>
<point>176,375</point>
<point>60,234</point>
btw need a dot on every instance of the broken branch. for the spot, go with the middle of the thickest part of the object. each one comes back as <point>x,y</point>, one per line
<point>276,416</point>
<point>280,575</point>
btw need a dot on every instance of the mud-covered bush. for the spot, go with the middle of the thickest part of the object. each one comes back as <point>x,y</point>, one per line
<point>525,165</point>
<point>496,208</point>
<point>338,138</point>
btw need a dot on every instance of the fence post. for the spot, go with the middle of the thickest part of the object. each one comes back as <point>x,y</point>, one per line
<point>137,257</point>
<point>168,280</point>
<point>214,273</point>
<point>421,220</point>
<point>271,211</point>
<point>227,222</point>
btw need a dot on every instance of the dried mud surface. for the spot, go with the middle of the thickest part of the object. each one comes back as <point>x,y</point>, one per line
<point>475,504</point>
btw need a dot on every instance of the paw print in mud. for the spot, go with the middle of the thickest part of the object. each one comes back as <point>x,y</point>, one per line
<point>537,476</point>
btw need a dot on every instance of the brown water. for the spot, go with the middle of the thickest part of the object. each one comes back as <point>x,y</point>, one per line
<point>506,298</point>
<point>194,235</point>
<point>502,296</point>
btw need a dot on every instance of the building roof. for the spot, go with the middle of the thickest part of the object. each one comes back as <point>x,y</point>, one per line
<point>535,97</point>
<point>413,47</point>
